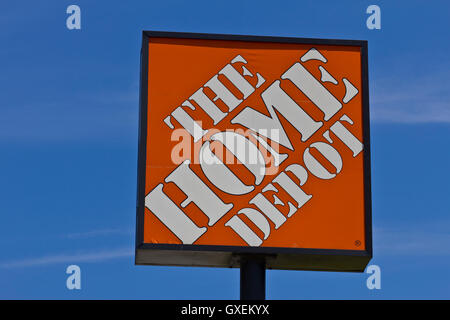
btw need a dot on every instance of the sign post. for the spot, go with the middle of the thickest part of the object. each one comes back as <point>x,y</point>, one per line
<point>254,152</point>
<point>253,278</point>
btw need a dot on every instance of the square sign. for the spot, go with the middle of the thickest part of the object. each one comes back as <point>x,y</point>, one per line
<point>253,145</point>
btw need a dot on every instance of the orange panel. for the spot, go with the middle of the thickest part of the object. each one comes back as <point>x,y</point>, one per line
<point>334,217</point>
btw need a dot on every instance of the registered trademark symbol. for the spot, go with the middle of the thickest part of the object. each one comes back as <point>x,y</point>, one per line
<point>357,243</point>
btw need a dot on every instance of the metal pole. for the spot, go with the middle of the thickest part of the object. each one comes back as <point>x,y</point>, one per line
<point>253,278</point>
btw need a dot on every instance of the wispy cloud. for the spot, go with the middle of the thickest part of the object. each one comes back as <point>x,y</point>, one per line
<point>420,100</point>
<point>74,258</point>
<point>97,233</point>
<point>86,117</point>
<point>425,240</point>
<point>78,257</point>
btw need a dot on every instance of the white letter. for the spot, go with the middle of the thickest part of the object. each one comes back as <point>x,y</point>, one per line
<point>244,231</point>
<point>220,175</point>
<point>275,98</point>
<point>346,136</point>
<point>238,80</point>
<point>314,165</point>
<point>74,280</point>
<point>194,129</point>
<point>198,192</point>
<point>172,217</point>
<point>293,189</point>
<point>223,93</point>
<point>74,20</point>
<point>374,20</point>
<point>374,281</point>
<point>313,89</point>
<point>268,209</point>
<point>208,106</point>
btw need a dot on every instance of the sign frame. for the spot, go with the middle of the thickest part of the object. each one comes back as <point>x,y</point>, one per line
<point>229,256</point>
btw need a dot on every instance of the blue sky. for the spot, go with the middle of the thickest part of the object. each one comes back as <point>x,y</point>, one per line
<point>68,146</point>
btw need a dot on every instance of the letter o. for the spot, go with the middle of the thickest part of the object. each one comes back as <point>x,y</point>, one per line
<point>315,167</point>
<point>220,175</point>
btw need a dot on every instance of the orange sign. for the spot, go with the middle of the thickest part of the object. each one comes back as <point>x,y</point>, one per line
<point>254,145</point>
